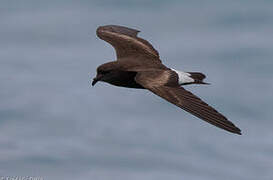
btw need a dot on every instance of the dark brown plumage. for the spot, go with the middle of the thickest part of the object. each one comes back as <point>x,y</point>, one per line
<point>138,66</point>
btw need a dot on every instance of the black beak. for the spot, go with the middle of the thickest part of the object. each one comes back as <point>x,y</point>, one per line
<point>96,79</point>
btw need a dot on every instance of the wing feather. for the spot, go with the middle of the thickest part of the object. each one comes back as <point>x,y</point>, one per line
<point>187,101</point>
<point>126,42</point>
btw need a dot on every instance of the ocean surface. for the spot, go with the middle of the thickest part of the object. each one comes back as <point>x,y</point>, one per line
<point>55,125</point>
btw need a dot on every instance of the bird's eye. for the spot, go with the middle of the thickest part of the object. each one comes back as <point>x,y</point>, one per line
<point>103,72</point>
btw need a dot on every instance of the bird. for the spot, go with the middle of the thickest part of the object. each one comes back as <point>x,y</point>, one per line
<point>138,65</point>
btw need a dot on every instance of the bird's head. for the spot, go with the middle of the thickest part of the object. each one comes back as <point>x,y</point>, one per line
<point>104,73</point>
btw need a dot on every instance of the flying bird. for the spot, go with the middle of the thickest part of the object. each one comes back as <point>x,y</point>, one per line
<point>138,65</point>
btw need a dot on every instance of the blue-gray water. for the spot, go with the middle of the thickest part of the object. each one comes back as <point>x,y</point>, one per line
<point>55,125</point>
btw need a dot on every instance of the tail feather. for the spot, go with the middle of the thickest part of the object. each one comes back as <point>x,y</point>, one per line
<point>198,77</point>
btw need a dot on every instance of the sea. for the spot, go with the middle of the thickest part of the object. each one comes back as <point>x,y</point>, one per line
<point>55,125</point>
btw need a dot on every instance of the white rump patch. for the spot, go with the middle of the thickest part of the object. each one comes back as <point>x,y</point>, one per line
<point>183,77</point>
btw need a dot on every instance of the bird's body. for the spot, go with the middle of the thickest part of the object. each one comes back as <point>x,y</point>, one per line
<point>138,66</point>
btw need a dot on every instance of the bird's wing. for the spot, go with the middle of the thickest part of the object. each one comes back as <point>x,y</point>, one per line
<point>186,100</point>
<point>126,42</point>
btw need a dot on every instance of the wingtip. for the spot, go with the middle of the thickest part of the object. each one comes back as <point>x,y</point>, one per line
<point>117,29</point>
<point>237,131</point>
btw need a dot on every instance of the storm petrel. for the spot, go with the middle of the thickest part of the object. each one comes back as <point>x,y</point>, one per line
<point>138,66</point>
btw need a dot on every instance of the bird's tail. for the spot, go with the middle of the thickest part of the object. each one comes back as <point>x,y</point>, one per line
<point>198,77</point>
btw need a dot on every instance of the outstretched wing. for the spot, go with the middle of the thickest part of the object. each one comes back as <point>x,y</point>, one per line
<point>126,42</point>
<point>187,101</point>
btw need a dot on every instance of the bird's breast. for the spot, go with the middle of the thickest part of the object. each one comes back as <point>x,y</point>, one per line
<point>124,79</point>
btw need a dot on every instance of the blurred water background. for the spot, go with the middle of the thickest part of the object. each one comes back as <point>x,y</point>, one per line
<point>55,125</point>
